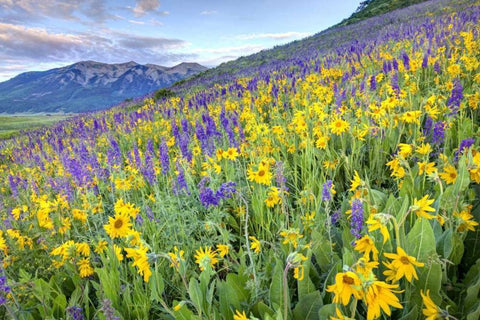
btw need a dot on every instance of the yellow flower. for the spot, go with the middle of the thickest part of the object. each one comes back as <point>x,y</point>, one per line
<point>291,236</point>
<point>255,245</point>
<point>83,248</point>
<point>222,250</point>
<point>405,149</point>
<point>356,182</point>
<point>466,221</point>
<point>205,257</point>
<point>84,267</point>
<point>101,245</point>
<point>118,252</point>
<point>140,260</point>
<point>422,207</point>
<point>449,175</point>
<point>346,285</point>
<point>411,117</point>
<point>375,224</point>
<point>338,126</point>
<point>79,215</point>
<point>365,267</point>
<point>118,226</point>
<point>380,296</point>
<point>273,197</point>
<point>427,167</point>
<point>424,149</point>
<point>176,257</point>
<point>262,175</point>
<point>231,154</point>
<point>403,265</point>
<point>240,316</point>
<point>366,245</point>
<point>431,311</point>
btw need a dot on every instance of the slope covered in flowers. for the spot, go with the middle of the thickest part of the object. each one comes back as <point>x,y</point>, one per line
<point>342,184</point>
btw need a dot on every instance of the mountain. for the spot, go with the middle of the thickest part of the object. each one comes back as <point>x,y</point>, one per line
<point>87,86</point>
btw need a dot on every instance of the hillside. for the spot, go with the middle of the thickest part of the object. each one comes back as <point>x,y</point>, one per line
<point>87,86</point>
<point>335,182</point>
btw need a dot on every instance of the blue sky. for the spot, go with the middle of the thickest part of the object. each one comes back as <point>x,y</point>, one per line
<point>44,34</point>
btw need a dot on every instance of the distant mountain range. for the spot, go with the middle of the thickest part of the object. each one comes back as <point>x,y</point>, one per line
<point>87,86</point>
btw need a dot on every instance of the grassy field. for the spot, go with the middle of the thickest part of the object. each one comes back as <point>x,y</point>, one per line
<point>11,125</point>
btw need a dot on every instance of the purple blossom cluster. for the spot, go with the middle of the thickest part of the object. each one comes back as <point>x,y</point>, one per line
<point>4,288</point>
<point>326,190</point>
<point>208,197</point>
<point>356,222</point>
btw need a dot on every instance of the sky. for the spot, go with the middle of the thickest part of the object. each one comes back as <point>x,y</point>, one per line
<point>38,35</point>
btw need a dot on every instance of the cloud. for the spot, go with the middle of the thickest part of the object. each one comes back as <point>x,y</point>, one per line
<point>208,12</point>
<point>79,10</point>
<point>276,36</point>
<point>144,7</point>
<point>21,44</point>
<point>232,51</point>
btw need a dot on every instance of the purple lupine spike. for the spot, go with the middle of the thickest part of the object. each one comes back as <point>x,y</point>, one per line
<point>455,98</point>
<point>114,154</point>
<point>464,144</point>
<point>164,158</point>
<point>395,65</point>
<point>207,197</point>
<point>356,221</point>
<point>373,83</point>
<point>406,61</point>
<point>335,217</point>
<point>226,190</point>
<point>13,185</point>
<point>147,170</point>
<point>427,127</point>
<point>438,134</point>
<point>136,155</point>
<point>181,181</point>
<point>436,67</point>
<point>75,312</point>
<point>326,190</point>
<point>394,83</point>
<point>425,61</point>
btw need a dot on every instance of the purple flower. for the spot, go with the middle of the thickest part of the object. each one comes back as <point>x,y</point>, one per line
<point>181,182</point>
<point>464,144</point>
<point>395,85</point>
<point>335,217</point>
<point>455,98</point>
<point>326,191</point>
<point>406,61</point>
<point>75,312</point>
<point>108,310</point>
<point>208,197</point>
<point>438,133</point>
<point>164,158</point>
<point>356,222</point>
<point>373,83</point>
<point>226,190</point>
<point>280,177</point>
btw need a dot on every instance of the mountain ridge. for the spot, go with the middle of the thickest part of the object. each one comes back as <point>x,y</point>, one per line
<point>87,85</point>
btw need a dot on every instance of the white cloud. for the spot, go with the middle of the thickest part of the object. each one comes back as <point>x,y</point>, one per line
<point>144,7</point>
<point>235,51</point>
<point>208,12</point>
<point>276,36</point>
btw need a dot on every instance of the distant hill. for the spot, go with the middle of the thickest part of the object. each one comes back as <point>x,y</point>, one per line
<point>87,86</point>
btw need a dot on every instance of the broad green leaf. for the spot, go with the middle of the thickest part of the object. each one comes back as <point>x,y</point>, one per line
<point>327,311</point>
<point>276,288</point>
<point>378,197</point>
<point>156,285</point>
<point>474,313</point>
<point>463,177</point>
<point>472,296</point>
<point>308,306</point>
<point>421,240</point>
<point>196,294</point>
<point>262,310</point>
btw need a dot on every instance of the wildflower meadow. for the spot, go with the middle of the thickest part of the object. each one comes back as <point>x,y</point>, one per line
<point>342,184</point>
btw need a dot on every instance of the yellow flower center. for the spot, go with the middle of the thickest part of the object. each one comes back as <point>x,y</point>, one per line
<point>118,224</point>
<point>405,260</point>
<point>348,280</point>
<point>261,173</point>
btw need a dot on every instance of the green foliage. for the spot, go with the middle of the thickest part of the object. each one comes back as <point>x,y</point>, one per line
<point>163,93</point>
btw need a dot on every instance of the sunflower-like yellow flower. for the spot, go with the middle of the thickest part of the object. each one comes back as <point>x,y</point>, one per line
<point>466,221</point>
<point>355,182</point>
<point>380,296</point>
<point>375,223</point>
<point>431,310</point>
<point>140,260</point>
<point>422,207</point>
<point>402,265</point>
<point>118,226</point>
<point>255,245</point>
<point>338,126</point>
<point>222,250</point>
<point>85,268</point>
<point>205,257</point>
<point>366,245</point>
<point>291,236</point>
<point>176,257</point>
<point>449,175</point>
<point>365,267</point>
<point>346,285</point>
<point>427,167</point>
<point>273,197</point>
<point>240,316</point>
<point>261,176</point>
<point>340,316</point>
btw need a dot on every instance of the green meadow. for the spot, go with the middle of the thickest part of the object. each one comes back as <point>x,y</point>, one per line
<point>11,125</point>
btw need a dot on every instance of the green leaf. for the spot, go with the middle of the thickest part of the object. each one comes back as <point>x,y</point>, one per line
<point>378,197</point>
<point>308,306</point>
<point>421,240</point>
<point>322,250</point>
<point>327,311</point>
<point>196,294</point>
<point>276,288</point>
<point>472,293</point>
<point>458,249</point>
<point>262,310</point>
<point>156,285</point>
<point>463,177</point>
<point>474,314</point>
